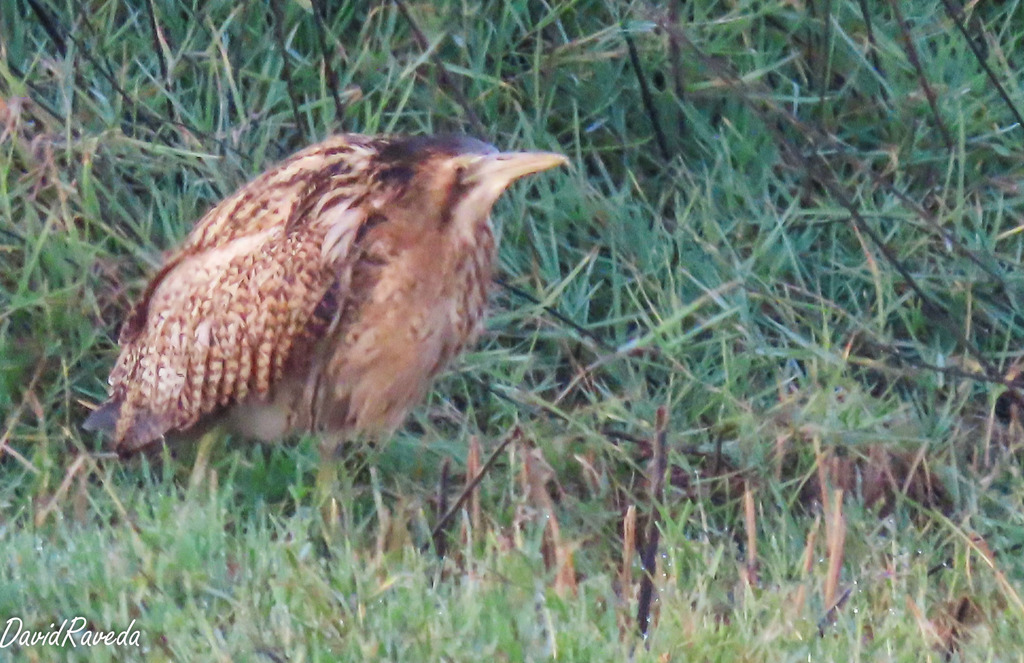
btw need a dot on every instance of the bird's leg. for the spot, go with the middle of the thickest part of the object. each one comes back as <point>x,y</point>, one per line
<point>202,459</point>
<point>325,490</point>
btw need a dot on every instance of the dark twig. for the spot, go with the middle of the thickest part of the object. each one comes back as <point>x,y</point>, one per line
<point>320,20</point>
<point>515,435</point>
<point>160,55</point>
<point>439,538</point>
<point>645,95</point>
<point>915,61</point>
<point>830,615</point>
<point>38,98</point>
<point>676,62</point>
<point>579,329</point>
<point>133,105</point>
<point>947,237</point>
<point>957,15</point>
<point>817,165</point>
<point>826,61</point>
<point>951,371</point>
<point>286,66</point>
<point>949,563</point>
<point>817,142</point>
<point>656,480</point>
<point>50,25</point>
<point>271,654</point>
<point>15,417</point>
<point>442,72</point>
<point>873,47</point>
<point>149,118</point>
<point>901,358</point>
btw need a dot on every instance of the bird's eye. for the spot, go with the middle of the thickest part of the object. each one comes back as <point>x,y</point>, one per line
<point>460,171</point>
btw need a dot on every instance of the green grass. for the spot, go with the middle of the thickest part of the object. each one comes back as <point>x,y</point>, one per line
<point>815,270</point>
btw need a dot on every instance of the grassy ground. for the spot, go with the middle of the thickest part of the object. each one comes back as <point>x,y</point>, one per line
<point>795,227</point>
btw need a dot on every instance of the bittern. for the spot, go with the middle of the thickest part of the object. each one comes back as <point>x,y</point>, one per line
<point>323,296</point>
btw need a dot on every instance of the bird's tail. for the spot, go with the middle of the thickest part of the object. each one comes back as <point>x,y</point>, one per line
<point>104,418</point>
<point>144,432</point>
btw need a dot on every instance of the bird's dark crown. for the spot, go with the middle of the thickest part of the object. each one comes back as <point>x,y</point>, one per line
<point>417,149</point>
<point>399,158</point>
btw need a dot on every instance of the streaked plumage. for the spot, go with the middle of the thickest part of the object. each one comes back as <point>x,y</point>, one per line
<point>324,295</point>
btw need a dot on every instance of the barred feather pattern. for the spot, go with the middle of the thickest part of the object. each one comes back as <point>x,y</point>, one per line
<point>324,295</point>
<point>218,321</point>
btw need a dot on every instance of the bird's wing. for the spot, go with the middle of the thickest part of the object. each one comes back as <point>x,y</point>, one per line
<point>220,319</point>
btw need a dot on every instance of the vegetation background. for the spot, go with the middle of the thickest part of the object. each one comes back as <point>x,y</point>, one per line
<point>792,228</point>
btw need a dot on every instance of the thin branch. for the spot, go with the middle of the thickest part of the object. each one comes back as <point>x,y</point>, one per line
<point>51,26</point>
<point>515,435</point>
<point>676,63</point>
<point>649,559</point>
<point>442,71</point>
<point>830,615</point>
<point>439,539</point>
<point>957,15</point>
<point>826,60</point>
<point>320,20</point>
<point>819,167</point>
<point>873,47</point>
<point>15,417</point>
<point>160,55</point>
<point>286,67</point>
<point>578,328</point>
<point>133,105</point>
<point>915,61</point>
<point>645,95</point>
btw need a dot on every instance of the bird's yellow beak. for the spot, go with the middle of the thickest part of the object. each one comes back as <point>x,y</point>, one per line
<point>503,168</point>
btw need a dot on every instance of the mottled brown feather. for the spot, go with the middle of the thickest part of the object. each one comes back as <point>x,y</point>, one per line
<point>216,322</point>
<point>324,295</point>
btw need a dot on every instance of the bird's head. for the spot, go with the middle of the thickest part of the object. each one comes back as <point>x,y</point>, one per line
<point>454,180</point>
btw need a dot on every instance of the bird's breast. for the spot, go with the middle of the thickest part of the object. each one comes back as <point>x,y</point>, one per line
<point>425,307</point>
<point>409,313</point>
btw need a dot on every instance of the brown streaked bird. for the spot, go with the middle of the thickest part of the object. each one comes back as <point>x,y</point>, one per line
<point>322,296</point>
